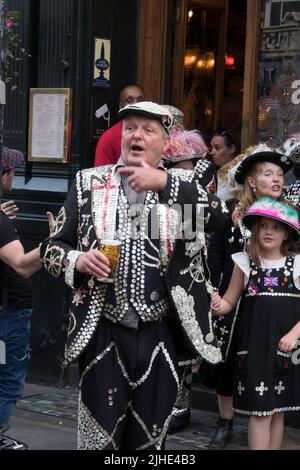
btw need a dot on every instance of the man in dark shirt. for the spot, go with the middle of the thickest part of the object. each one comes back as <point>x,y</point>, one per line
<point>15,300</point>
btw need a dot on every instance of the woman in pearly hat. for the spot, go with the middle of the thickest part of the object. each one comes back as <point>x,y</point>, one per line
<point>259,172</point>
<point>267,277</point>
<point>186,157</point>
<point>187,150</point>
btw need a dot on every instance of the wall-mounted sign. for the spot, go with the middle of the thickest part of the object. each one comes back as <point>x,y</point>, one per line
<point>100,117</point>
<point>49,138</point>
<point>101,75</point>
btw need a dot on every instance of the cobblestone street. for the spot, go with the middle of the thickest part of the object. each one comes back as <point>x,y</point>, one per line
<point>46,419</point>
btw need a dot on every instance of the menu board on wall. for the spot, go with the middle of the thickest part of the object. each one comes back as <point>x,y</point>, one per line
<point>49,125</point>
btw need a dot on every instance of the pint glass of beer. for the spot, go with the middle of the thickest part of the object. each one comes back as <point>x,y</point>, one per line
<point>111,249</point>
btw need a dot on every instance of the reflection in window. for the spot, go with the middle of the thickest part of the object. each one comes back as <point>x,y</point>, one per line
<point>279,71</point>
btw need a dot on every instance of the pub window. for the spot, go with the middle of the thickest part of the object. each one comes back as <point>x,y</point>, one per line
<point>279,73</point>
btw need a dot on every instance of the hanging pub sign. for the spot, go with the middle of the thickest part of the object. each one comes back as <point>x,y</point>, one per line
<point>49,138</point>
<point>101,65</point>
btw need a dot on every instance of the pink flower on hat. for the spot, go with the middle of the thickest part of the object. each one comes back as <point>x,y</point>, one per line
<point>266,207</point>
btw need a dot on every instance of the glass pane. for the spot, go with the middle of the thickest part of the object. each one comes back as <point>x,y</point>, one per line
<point>279,71</point>
<point>199,68</point>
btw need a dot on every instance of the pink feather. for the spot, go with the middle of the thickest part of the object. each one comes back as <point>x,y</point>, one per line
<point>185,143</point>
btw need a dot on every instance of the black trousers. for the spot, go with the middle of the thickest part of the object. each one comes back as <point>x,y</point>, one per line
<point>128,385</point>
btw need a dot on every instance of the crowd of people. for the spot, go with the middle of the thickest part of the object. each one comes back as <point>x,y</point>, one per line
<point>207,282</point>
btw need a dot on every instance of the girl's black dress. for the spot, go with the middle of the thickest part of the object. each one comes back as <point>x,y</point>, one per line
<point>266,380</point>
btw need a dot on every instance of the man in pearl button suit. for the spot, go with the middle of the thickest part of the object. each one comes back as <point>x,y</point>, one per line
<point>128,335</point>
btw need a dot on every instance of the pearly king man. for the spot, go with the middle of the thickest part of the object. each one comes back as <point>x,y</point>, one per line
<point>133,337</point>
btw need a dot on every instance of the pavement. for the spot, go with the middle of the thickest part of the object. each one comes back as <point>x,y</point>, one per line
<point>46,419</point>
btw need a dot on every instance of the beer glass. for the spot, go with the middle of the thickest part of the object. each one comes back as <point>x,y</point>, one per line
<point>111,249</point>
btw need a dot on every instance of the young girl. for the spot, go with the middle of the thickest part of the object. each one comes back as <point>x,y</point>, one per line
<point>267,381</point>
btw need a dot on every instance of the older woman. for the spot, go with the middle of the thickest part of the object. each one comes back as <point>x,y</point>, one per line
<point>260,172</point>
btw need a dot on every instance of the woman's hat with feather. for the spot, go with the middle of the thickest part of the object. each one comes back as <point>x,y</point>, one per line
<point>254,153</point>
<point>184,144</point>
<point>262,152</point>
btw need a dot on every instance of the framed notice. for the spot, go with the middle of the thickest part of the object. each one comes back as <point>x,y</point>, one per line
<point>49,136</point>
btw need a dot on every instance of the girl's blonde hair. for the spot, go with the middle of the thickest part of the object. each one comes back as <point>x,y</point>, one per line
<point>246,197</point>
<point>289,246</point>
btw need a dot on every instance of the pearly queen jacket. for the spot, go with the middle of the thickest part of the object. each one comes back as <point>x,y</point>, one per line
<point>97,204</point>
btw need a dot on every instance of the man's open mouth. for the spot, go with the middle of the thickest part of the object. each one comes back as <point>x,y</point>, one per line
<point>136,148</point>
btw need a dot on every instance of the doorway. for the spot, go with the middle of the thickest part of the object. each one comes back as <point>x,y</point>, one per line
<point>201,63</point>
